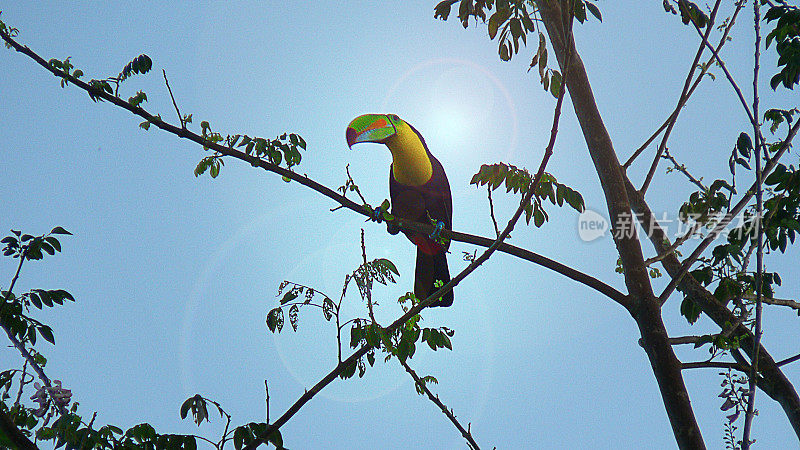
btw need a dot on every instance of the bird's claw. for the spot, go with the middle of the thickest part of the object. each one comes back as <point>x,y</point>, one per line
<point>377,214</point>
<point>435,233</point>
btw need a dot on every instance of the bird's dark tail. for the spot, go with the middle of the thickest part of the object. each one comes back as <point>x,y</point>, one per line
<point>429,269</point>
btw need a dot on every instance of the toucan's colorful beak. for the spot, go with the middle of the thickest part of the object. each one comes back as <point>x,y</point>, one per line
<point>369,128</point>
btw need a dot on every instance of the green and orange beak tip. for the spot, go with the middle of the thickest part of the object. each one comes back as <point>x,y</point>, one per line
<point>369,128</point>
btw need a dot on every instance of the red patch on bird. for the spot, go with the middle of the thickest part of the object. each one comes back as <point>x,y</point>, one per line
<point>427,245</point>
<point>380,123</point>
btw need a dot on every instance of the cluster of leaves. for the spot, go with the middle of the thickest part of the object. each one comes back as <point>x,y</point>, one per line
<point>787,43</point>
<point>780,225</point>
<point>275,317</point>
<point>400,342</point>
<point>551,79</point>
<point>241,436</point>
<point>283,149</point>
<point>141,64</point>
<point>31,247</point>
<point>520,180</point>
<point>10,31</point>
<point>705,205</point>
<point>67,67</point>
<point>734,391</point>
<point>70,431</point>
<point>511,21</point>
<point>689,12</point>
<point>381,270</point>
<point>719,341</point>
<point>14,307</point>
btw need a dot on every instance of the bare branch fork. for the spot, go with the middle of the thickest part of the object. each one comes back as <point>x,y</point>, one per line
<point>685,97</point>
<point>681,101</point>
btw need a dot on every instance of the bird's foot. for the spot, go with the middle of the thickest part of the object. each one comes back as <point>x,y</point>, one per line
<point>377,214</point>
<point>435,233</point>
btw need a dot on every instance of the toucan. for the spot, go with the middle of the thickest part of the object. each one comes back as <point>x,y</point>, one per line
<point>419,191</point>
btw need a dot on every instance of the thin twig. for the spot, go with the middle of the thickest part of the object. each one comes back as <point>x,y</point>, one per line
<point>491,209</point>
<point>367,280</point>
<point>788,360</point>
<point>354,185</point>
<point>682,169</point>
<point>435,399</point>
<point>751,397</point>
<point>728,75</point>
<point>21,383</point>
<point>180,117</point>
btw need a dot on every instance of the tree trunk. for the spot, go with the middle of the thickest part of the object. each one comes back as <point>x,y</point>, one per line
<point>773,382</point>
<point>645,307</point>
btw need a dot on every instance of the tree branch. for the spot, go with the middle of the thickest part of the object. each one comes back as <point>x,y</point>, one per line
<point>681,101</point>
<point>775,384</point>
<point>674,115</point>
<point>305,181</point>
<point>435,399</point>
<point>14,434</point>
<point>715,365</point>
<point>645,308</point>
<point>433,297</point>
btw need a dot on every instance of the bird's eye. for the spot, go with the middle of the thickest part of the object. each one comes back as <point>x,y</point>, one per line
<point>394,118</point>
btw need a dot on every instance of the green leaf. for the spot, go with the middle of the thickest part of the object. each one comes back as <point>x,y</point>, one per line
<point>275,320</point>
<point>328,308</point>
<point>48,248</point>
<point>744,144</point>
<point>35,300</point>
<point>47,334</point>
<point>388,265</point>
<point>45,296</point>
<point>690,310</point>
<point>59,230</point>
<point>593,9</point>
<point>442,10</point>
<point>185,407</point>
<point>555,83</point>
<point>289,296</point>
<point>293,311</point>
<point>53,242</point>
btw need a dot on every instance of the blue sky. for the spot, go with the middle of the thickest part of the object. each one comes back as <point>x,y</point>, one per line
<point>173,275</point>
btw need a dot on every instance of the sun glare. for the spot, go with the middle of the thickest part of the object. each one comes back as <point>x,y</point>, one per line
<point>463,110</point>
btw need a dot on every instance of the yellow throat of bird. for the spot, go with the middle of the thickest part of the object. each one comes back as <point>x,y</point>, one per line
<point>410,163</point>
